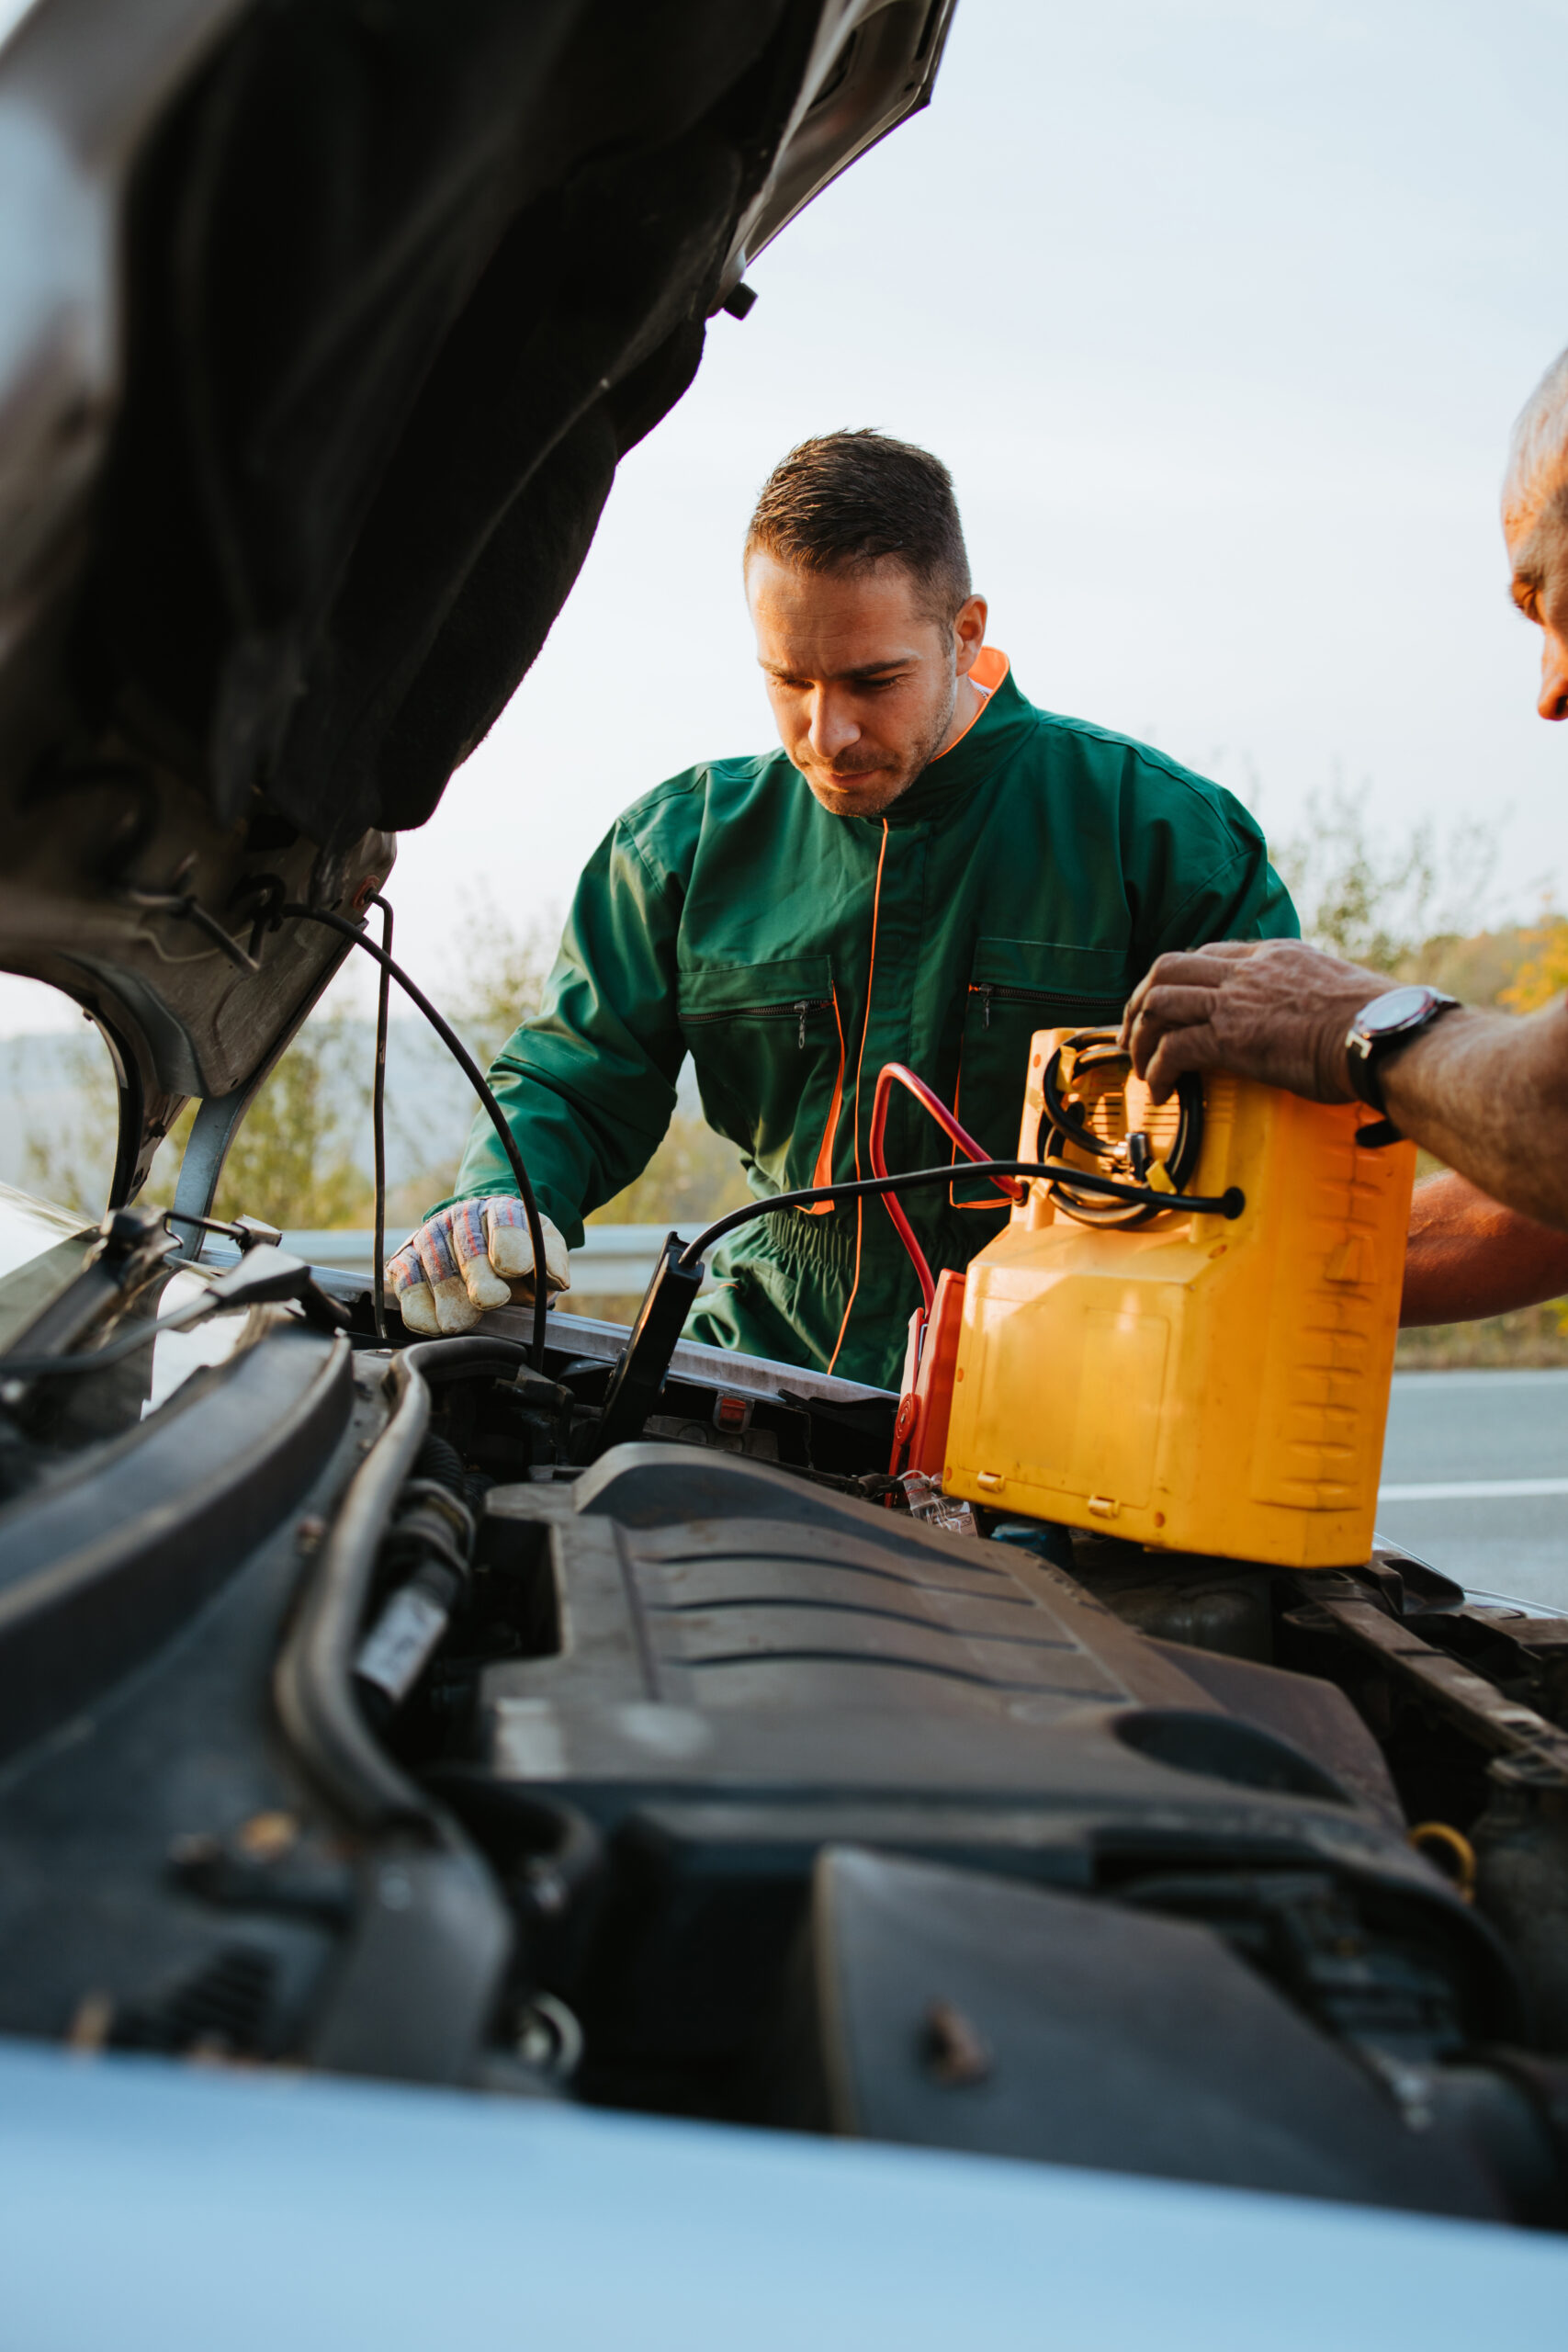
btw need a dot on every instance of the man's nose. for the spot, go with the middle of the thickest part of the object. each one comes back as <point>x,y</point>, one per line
<point>1553,700</point>
<point>833,727</point>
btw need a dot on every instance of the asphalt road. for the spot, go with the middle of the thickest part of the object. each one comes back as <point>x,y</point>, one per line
<point>1475,1478</point>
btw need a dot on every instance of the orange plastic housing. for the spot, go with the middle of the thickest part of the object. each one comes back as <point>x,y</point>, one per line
<point>1190,1384</point>
<point>920,1438</point>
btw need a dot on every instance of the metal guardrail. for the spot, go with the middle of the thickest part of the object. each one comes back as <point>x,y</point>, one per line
<point>617,1260</point>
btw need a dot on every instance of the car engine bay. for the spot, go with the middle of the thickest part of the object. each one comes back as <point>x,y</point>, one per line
<point>357,1718</point>
<point>513,1712</point>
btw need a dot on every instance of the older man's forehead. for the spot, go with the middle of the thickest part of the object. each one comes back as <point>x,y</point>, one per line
<point>1535,532</point>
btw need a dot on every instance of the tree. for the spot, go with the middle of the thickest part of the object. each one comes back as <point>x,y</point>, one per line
<point>1543,973</point>
<point>291,1164</point>
<point>499,978</point>
<point>693,1177</point>
<point>1409,908</point>
<point>1387,905</point>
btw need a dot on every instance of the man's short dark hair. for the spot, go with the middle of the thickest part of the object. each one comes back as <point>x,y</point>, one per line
<point>847,500</point>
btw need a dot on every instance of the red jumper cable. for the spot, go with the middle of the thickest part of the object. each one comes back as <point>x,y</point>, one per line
<point>913,1404</point>
<point>1014,1188</point>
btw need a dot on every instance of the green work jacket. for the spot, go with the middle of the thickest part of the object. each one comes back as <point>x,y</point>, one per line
<point>1028,879</point>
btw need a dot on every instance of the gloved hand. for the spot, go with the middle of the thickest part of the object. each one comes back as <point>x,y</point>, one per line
<point>468,1258</point>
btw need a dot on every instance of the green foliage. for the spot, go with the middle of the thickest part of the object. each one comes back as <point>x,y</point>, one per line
<point>291,1163</point>
<point>1543,972</point>
<point>499,974</point>
<point>694,1177</point>
<point>494,979</point>
<point>1409,908</point>
<point>1383,904</point>
<point>499,980</point>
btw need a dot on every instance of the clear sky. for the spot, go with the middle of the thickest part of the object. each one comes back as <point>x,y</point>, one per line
<point>1220,314</point>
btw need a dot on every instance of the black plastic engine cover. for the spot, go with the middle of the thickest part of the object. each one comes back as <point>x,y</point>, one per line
<point>728,1632</point>
<point>751,1668</point>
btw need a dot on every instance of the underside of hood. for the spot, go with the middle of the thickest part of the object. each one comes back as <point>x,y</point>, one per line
<point>323,327</point>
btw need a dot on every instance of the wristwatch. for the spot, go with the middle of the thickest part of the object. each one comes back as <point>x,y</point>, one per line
<point>1381,1028</point>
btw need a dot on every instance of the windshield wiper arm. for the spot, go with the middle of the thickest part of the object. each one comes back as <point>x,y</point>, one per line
<point>263,1277</point>
<point>133,1243</point>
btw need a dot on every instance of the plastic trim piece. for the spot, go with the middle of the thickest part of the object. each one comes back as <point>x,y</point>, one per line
<point>102,1568</point>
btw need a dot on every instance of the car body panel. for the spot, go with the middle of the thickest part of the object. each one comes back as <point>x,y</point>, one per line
<point>148,2206</point>
<point>322,331</point>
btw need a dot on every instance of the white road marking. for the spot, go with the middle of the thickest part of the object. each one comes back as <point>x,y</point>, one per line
<point>1479,1490</point>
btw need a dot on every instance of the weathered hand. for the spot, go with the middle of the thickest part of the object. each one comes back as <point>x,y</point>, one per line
<point>468,1258</point>
<point>1267,1008</point>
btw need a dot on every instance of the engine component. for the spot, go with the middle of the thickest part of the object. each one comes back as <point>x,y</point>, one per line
<point>1210,1392</point>
<point>434,1533</point>
<point>639,1375</point>
<point>1521,1855</point>
<point>953,2010</point>
<point>745,1671</point>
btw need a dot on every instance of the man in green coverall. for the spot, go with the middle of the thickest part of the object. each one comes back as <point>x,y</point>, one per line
<point>927,871</point>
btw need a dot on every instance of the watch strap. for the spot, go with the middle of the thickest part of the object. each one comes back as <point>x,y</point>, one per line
<point>1362,1072</point>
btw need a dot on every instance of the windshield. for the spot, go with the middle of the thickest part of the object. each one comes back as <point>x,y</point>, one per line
<point>42,1248</point>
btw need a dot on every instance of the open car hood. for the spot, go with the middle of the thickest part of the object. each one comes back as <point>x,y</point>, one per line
<point>323,327</point>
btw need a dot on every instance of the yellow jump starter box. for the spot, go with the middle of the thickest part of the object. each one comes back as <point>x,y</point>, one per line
<point>1184,1381</point>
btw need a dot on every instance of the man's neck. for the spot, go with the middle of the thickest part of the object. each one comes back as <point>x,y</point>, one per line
<point>966,706</point>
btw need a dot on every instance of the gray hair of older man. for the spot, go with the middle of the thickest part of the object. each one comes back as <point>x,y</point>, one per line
<point>1537,446</point>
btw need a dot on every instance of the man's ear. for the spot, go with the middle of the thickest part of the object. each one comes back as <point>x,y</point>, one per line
<point>969,632</point>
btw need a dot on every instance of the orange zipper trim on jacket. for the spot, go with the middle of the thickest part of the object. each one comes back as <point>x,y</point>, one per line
<point>989,668</point>
<point>822,1173</point>
<point>865,1033</point>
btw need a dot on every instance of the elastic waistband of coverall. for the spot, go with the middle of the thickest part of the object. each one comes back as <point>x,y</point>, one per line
<point>796,1239</point>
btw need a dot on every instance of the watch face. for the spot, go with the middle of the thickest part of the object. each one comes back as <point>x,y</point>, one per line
<point>1386,1015</point>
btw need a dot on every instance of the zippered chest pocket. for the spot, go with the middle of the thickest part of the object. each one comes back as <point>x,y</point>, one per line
<point>799,1014</point>
<point>1016,986</point>
<point>765,1042</point>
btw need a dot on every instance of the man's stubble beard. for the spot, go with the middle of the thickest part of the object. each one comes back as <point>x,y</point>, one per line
<point>889,791</point>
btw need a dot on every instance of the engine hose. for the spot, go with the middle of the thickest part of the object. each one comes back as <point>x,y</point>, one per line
<point>312,1682</point>
<point>439,1459</point>
<point>565,1849</point>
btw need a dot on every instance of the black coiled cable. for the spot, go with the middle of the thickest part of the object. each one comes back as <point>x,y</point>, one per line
<point>1229,1203</point>
<point>470,1071</point>
<point>1063,1124</point>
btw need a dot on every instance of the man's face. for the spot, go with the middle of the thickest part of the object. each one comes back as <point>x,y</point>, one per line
<point>862,678</point>
<point>1536,530</point>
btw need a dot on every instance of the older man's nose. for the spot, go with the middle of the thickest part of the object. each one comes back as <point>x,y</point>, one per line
<point>1553,700</point>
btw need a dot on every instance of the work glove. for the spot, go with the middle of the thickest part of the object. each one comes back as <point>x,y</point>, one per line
<point>468,1258</point>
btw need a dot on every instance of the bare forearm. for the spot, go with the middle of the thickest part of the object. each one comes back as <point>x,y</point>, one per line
<point>1489,1095</point>
<point>1468,1256</point>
